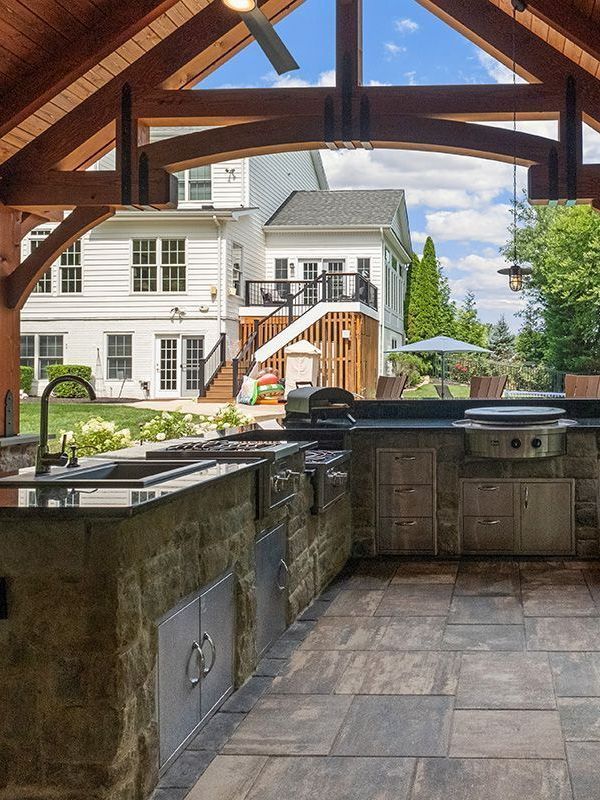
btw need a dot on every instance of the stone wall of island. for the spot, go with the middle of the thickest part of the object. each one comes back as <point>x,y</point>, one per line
<point>78,651</point>
<point>581,463</point>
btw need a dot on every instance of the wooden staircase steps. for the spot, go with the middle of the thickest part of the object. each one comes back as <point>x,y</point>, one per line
<point>220,390</point>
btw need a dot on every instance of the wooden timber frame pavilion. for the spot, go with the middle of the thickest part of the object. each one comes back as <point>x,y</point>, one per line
<point>78,78</point>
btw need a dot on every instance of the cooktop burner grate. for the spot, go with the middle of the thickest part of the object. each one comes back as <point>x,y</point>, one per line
<point>223,447</point>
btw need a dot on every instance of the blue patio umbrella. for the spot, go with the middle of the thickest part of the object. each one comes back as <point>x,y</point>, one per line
<point>441,345</point>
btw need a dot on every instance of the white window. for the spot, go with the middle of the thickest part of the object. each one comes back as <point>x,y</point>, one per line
<point>195,184</point>
<point>119,356</point>
<point>150,256</point>
<point>363,267</point>
<point>28,351</point>
<point>50,351</point>
<point>44,285</point>
<point>394,344</point>
<point>70,270</point>
<point>281,269</point>
<point>237,265</point>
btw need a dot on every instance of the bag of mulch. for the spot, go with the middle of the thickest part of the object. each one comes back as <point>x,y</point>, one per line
<point>249,392</point>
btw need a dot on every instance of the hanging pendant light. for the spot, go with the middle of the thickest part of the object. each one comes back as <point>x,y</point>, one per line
<point>516,273</point>
<point>240,5</point>
<point>265,34</point>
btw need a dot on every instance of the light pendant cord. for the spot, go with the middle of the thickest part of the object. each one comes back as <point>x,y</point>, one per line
<point>514,77</point>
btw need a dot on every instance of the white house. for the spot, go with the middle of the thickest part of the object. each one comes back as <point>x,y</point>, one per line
<point>146,297</point>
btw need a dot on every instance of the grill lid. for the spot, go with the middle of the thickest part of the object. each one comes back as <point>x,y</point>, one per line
<point>516,415</point>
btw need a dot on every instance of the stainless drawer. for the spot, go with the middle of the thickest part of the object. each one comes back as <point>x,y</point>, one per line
<point>405,466</point>
<point>406,501</point>
<point>488,534</point>
<point>488,498</point>
<point>405,535</point>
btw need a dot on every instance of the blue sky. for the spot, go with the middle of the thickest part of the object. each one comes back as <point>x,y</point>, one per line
<point>463,203</point>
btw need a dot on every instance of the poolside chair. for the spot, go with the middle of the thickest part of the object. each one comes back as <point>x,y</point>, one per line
<point>390,387</point>
<point>445,393</point>
<point>487,387</point>
<point>582,386</point>
<point>267,297</point>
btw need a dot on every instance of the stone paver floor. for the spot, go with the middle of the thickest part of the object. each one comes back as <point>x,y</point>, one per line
<point>413,680</point>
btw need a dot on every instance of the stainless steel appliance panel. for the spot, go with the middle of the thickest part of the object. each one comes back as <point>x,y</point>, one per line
<point>546,517</point>
<point>217,632</point>
<point>519,443</point>
<point>179,679</point>
<point>271,587</point>
<point>405,467</point>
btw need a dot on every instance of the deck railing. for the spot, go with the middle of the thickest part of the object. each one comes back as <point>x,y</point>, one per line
<point>209,366</point>
<point>336,287</point>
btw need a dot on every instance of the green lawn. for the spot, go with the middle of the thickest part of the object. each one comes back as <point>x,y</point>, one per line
<point>64,416</point>
<point>459,390</point>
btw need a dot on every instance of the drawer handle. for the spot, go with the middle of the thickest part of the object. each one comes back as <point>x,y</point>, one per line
<point>206,637</point>
<point>488,522</point>
<point>286,571</point>
<point>196,650</point>
<point>406,524</point>
<point>405,458</point>
<point>488,488</point>
<point>404,491</point>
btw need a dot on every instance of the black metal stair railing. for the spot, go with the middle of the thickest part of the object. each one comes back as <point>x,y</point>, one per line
<point>209,366</point>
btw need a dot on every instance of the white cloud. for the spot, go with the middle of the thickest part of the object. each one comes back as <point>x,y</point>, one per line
<point>406,25</point>
<point>411,78</point>
<point>478,272</point>
<point>497,71</point>
<point>288,81</point>
<point>392,49</point>
<point>470,225</point>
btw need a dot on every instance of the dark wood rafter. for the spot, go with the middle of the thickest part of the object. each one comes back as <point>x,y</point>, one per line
<point>21,281</point>
<point>109,31</point>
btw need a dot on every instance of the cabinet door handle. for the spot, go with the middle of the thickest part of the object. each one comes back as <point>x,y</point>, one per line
<point>527,497</point>
<point>206,637</point>
<point>404,491</point>
<point>488,522</point>
<point>405,524</point>
<point>488,488</point>
<point>283,566</point>
<point>196,650</point>
<point>405,458</point>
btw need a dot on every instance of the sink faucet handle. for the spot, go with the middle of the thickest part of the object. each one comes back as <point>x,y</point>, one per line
<point>73,461</point>
<point>63,444</point>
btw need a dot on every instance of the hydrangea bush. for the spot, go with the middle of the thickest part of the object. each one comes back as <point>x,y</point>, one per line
<point>98,435</point>
<point>227,417</point>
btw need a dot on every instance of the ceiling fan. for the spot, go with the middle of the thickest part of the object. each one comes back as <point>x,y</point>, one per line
<point>265,34</point>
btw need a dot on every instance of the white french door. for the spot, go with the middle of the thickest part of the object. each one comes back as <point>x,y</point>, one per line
<point>192,354</point>
<point>178,362</point>
<point>310,271</point>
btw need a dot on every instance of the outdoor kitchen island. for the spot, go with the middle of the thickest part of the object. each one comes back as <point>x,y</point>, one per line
<point>417,490</point>
<point>129,616</point>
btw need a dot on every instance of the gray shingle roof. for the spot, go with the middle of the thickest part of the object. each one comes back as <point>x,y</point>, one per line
<point>338,209</point>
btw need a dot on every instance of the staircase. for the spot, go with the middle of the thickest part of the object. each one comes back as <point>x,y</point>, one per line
<point>220,390</point>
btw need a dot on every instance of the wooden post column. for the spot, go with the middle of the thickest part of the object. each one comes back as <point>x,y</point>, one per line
<point>10,238</point>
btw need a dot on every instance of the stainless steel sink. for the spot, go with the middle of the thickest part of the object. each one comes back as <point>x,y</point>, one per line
<point>110,474</point>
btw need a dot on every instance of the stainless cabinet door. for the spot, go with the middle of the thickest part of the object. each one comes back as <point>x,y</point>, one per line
<point>271,587</point>
<point>217,631</point>
<point>546,518</point>
<point>178,678</point>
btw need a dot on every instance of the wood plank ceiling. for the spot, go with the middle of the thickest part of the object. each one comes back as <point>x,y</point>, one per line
<point>39,36</point>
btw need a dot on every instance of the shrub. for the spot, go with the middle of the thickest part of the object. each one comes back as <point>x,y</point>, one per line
<point>413,366</point>
<point>69,389</point>
<point>26,379</point>
<point>227,417</point>
<point>98,435</point>
<point>169,425</point>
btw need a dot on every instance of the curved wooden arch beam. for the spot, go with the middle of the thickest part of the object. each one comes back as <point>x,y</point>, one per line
<point>20,283</point>
<point>307,133</point>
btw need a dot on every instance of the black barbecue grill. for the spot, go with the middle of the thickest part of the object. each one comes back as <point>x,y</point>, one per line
<point>319,406</point>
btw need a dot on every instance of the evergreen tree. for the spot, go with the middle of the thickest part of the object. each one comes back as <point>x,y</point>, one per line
<point>531,338</point>
<point>430,311</point>
<point>468,327</point>
<point>411,276</point>
<point>502,340</point>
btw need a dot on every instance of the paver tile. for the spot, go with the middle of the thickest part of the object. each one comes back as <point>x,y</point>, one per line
<point>576,674</point>
<point>505,610</point>
<point>312,672</point>
<point>506,734</point>
<point>559,601</point>
<point>346,633</point>
<point>413,633</point>
<point>372,574</point>
<point>484,637</point>
<point>425,600</point>
<point>355,602</point>
<point>580,718</point>
<point>583,758</point>
<point>562,633</point>
<point>396,726</point>
<point>536,575</point>
<point>334,779</point>
<point>505,681</point>
<point>216,732</point>
<point>491,779</point>
<point>487,578</point>
<point>397,673</point>
<point>426,572</point>
<point>290,725</point>
<point>228,778</point>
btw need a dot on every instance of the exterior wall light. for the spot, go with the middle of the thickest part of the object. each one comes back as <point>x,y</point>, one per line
<point>240,5</point>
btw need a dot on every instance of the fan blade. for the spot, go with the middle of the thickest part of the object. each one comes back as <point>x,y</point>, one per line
<point>270,42</point>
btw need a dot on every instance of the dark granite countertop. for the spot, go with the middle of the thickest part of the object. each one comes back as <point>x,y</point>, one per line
<point>64,503</point>
<point>430,423</point>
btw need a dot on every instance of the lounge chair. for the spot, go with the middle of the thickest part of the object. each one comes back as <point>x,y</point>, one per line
<point>487,387</point>
<point>582,386</point>
<point>390,387</point>
<point>445,393</point>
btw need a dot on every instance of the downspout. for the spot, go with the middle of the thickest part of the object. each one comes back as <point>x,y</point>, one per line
<point>382,304</point>
<point>221,294</point>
